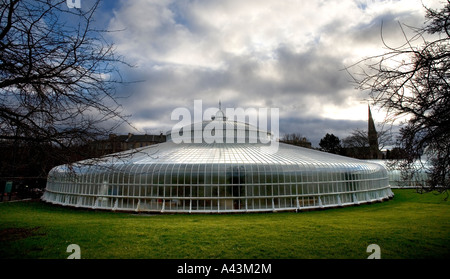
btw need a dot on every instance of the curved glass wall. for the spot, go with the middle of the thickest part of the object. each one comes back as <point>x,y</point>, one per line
<point>210,178</point>
<point>415,177</point>
<point>233,174</point>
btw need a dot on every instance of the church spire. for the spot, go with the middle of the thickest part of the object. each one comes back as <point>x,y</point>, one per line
<point>373,137</point>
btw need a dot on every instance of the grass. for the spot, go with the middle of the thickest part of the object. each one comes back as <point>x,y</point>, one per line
<point>411,226</point>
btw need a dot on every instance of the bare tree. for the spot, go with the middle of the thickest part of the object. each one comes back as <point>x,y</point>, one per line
<point>57,80</point>
<point>294,138</point>
<point>412,81</point>
<point>360,138</point>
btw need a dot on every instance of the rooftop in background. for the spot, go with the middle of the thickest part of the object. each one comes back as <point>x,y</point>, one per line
<point>118,143</point>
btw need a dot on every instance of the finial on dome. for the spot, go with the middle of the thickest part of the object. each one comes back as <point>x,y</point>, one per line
<point>219,115</point>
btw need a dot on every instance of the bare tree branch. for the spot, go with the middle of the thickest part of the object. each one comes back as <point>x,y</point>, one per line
<point>57,79</point>
<point>413,81</point>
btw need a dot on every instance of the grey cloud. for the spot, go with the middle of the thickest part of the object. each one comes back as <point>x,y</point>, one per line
<point>305,76</point>
<point>302,77</point>
<point>311,72</point>
<point>315,129</point>
<point>383,26</point>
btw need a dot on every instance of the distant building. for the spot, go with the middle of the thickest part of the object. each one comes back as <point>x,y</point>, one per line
<point>374,151</point>
<point>370,150</point>
<point>303,142</point>
<point>118,143</point>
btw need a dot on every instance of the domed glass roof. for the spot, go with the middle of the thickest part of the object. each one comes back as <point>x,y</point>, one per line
<point>228,169</point>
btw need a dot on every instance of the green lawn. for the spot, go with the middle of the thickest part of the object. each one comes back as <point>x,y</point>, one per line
<point>409,226</point>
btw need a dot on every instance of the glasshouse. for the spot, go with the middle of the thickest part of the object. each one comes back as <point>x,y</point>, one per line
<point>204,176</point>
<point>413,176</point>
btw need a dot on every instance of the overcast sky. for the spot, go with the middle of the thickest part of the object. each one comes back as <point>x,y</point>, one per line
<point>251,54</point>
